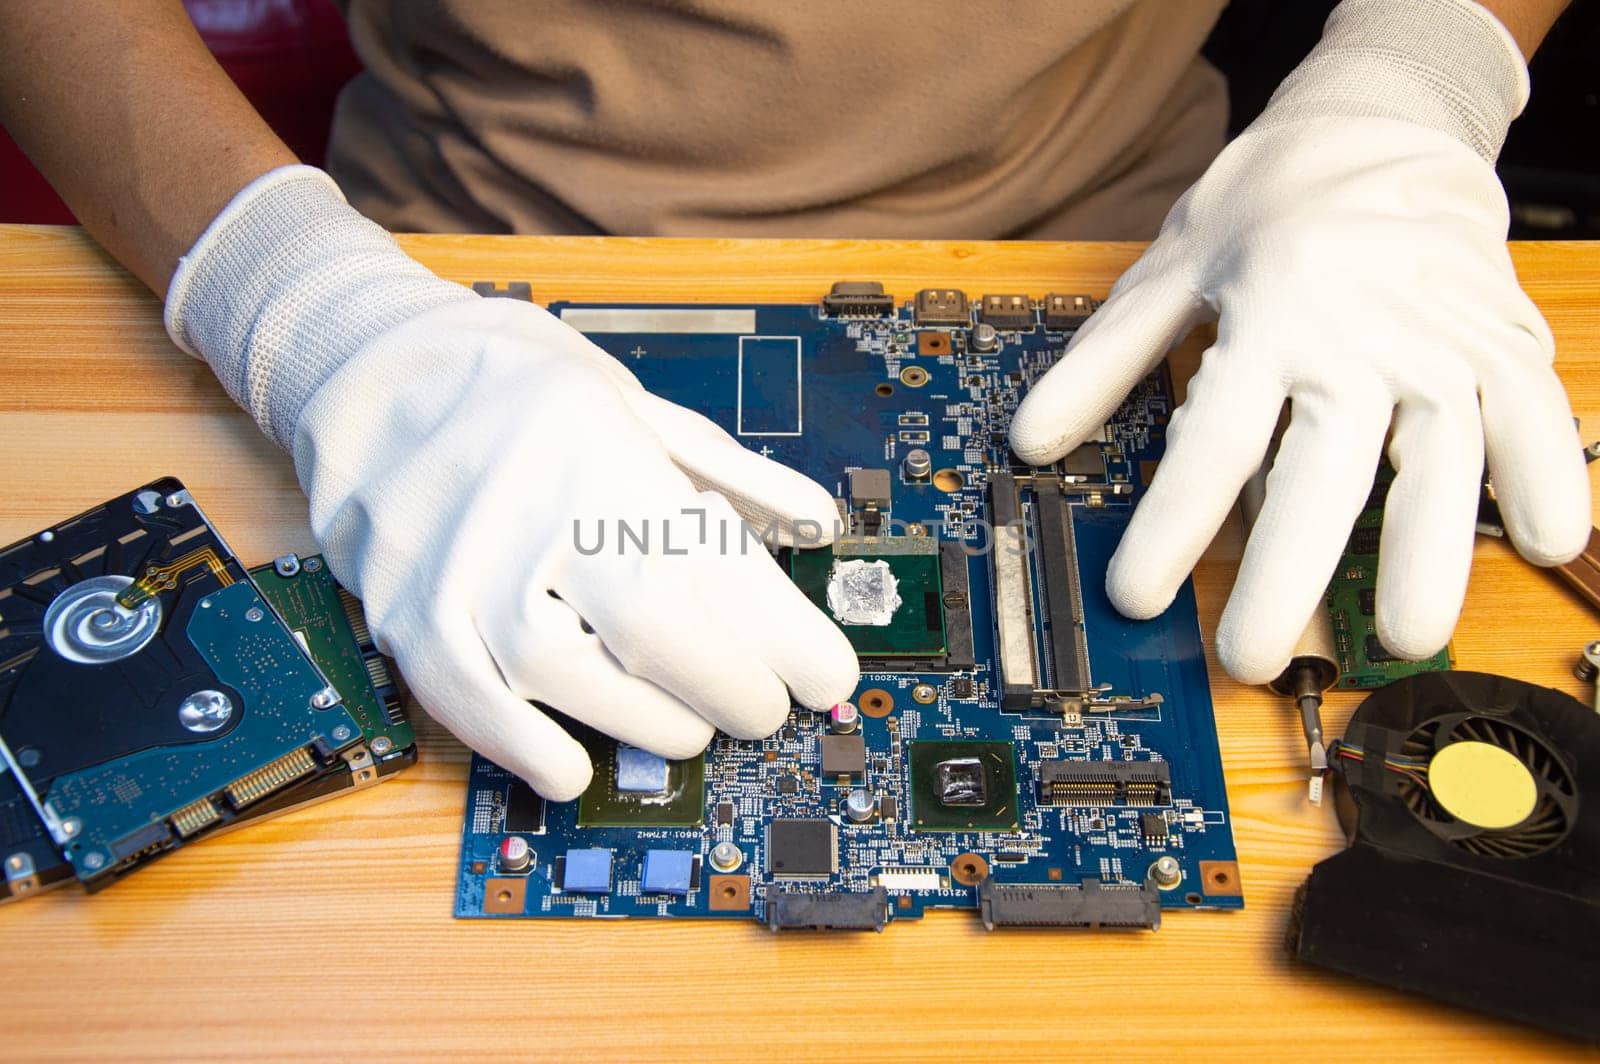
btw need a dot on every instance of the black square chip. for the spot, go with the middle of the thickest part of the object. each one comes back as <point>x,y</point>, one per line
<point>802,848</point>
<point>844,755</point>
<point>959,785</point>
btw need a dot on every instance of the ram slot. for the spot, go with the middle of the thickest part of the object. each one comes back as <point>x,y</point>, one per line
<point>1013,598</point>
<point>1058,568</point>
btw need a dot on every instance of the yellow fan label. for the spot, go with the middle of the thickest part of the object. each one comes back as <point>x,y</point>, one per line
<point>1482,784</point>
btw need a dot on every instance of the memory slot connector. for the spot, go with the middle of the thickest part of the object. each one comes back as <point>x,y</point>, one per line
<point>1098,783</point>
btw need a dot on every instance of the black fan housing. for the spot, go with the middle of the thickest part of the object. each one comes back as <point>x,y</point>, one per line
<point>1503,920</point>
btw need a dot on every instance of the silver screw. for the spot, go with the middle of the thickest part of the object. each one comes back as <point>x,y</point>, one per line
<point>286,566</point>
<point>381,745</point>
<point>313,564</point>
<point>725,857</point>
<point>1166,872</point>
<point>93,860</point>
<point>324,698</point>
<point>253,613</point>
<point>341,733</point>
<point>71,826</point>
<point>46,537</point>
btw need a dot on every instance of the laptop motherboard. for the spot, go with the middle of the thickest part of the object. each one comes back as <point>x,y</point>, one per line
<point>1016,747</point>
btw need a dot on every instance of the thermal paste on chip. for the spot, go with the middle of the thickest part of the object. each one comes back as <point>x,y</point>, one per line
<point>640,771</point>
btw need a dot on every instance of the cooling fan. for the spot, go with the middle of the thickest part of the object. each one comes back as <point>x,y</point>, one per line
<point>1472,804</point>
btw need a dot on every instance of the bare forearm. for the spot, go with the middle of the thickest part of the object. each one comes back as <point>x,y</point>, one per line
<point>122,108</point>
<point>1528,20</point>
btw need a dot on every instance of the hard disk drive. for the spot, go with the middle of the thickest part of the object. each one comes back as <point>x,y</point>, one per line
<point>148,693</point>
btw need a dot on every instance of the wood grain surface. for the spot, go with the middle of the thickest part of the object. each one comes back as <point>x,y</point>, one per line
<point>327,932</point>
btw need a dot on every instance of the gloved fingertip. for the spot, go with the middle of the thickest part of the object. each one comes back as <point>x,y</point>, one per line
<point>1248,660</point>
<point>1548,546</point>
<point>680,744</point>
<point>813,514</point>
<point>758,721</point>
<point>1413,638</point>
<point>1133,591</point>
<point>535,748</point>
<point>760,714</point>
<point>1253,644</point>
<point>834,674</point>
<point>1033,437</point>
<point>556,777</point>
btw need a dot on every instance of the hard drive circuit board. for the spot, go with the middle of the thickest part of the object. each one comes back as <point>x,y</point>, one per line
<point>1015,747</point>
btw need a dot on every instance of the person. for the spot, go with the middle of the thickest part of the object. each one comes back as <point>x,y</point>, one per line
<point>1350,244</point>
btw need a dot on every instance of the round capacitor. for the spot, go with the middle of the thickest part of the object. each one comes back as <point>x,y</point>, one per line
<point>860,806</point>
<point>725,857</point>
<point>515,855</point>
<point>844,718</point>
<point>918,464</point>
<point>984,337</point>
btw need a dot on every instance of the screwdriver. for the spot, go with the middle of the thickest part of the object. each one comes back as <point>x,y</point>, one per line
<point>1314,665</point>
<point>1310,673</point>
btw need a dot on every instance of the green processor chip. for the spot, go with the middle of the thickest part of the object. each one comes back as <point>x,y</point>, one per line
<point>883,593</point>
<point>625,793</point>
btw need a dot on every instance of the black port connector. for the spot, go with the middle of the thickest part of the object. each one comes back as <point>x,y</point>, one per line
<point>1097,783</point>
<point>514,290</point>
<point>941,306</point>
<point>797,910</point>
<point>857,299</point>
<point>1007,312</point>
<point>1066,312</point>
<point>1091,904</point>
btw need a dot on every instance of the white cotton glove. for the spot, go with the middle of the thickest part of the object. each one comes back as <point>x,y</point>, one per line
<point>1351,245</point>
<point>463,457</point>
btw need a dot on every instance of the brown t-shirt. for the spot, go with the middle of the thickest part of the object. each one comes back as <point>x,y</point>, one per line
<point>1080,119</point>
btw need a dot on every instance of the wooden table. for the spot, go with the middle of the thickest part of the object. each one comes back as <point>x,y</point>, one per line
<point>328,931</point>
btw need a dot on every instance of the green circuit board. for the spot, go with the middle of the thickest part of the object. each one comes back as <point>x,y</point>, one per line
<point>1364,662</point>
<point>328,622</point>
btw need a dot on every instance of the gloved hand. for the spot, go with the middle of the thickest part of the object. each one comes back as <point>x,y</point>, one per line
<point>1351,245</point>
<point>464,457</point>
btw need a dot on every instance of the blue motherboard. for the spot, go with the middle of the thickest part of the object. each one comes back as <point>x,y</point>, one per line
<point>1016,746</point>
